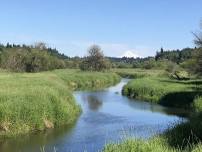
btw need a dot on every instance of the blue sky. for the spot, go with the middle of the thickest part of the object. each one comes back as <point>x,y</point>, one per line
<point>140,26</point>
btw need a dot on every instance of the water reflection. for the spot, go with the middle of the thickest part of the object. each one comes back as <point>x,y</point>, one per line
<point>94,103</point>
<point>33,142</point>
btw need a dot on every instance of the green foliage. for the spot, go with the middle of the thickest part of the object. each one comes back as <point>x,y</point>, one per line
<point>27,59</point>
<point>176,56</point>
<point>198,104</point>
<point>149,64</point>
<point>30,102</point>
<point>156,144</point>
<point>189,65</point>
<point>164,91</point>
<point>185,135</point>
<point>194,65</point>
<point>139,145</point>
<point>180,75</point>
<point>123,65</point>
<point>73,63</point>
<point>95,61</point>
<point>199,61</point>
<point>162,60</point>
<point>138,73</point>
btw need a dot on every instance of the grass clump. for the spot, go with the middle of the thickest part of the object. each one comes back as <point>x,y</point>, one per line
<point>138,73</point>
<point>156,144</point>
<point>80,80</point>
<point>139,145</point>
<point>165,91</point>
<point>36,101</point>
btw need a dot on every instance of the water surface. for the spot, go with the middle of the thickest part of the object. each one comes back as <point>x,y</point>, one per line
<point>107,116</point>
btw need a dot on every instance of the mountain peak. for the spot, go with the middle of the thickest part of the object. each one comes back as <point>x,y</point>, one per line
<point>130,54</point>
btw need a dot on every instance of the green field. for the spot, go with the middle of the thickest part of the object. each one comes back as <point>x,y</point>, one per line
<point>36,101</point>
<point>164,91</point>
<point>138,73</point>
<point>156,86</point>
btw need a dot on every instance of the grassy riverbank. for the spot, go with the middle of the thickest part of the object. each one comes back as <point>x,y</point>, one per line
<point>164,91</point>
<point>156,144</point>
<point>156,86</point>
<point>35,101</point>
<point>138,73</point>
<point>161,89</point>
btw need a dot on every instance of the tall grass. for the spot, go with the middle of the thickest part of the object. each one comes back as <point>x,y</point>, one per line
<point>164,91</point>
<point>138,73</point>
<point>139,145</point>
<point>35,101</point>
<point>156,144</point>
<point>80,80</point>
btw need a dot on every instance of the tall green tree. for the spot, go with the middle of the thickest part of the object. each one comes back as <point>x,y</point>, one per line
<point>95,61</point>
<point>198,42</point>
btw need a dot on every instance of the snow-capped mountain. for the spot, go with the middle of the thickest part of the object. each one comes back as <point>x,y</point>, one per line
<point>129,54</point>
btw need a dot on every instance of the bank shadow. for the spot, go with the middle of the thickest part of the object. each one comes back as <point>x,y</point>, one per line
<point>190,82</point>
<point>186,134</point>
<point>183,99</point>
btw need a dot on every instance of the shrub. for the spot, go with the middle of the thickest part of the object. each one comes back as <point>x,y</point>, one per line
<point>180,75</point>
<point>95,61</point>
<point>29,60</point>
<point>197,105</point>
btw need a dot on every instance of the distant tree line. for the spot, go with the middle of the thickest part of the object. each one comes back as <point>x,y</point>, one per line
<point>177,56</point>
<point>39,57</point>
<point>35,58</point>
<point>198,55</point>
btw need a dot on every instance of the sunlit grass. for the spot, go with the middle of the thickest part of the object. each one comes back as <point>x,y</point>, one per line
<point>139,73</point>
<point>164,91</point>
<point>35,101</point>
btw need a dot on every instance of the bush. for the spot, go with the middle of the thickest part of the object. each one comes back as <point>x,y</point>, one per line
<point>199,61</point>
<point>149,64</point>
<point>95,61</point>
<point>180,75</point>
<point>29,60</point>
<point>197,105</point>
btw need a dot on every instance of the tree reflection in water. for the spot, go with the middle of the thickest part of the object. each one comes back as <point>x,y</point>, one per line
<point>94,103</point>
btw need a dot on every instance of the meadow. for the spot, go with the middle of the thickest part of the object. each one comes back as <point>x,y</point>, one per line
<point>164,91</point>
<point>157,87</point>
<point>32,102</point>
<point>138,73</point>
